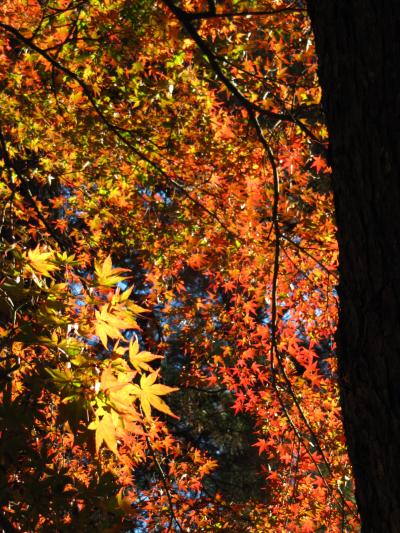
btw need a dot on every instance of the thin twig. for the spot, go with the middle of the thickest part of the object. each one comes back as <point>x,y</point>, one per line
<point>305,252</point>
<point>165,485</point>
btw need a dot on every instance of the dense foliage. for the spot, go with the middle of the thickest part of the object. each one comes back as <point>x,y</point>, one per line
<point>168,259</point>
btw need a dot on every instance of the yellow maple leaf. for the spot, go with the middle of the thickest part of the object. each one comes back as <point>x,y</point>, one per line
<point>107,275</point>
<point>135,308</point>
<point>149,394</point>
<point>109,382</point>
<point>105,432</point>
<point>120,390</point>
<point>121,297</point>
<point>140,360</point>
<point>125,504</point>
<point>40,262</point>
<point>109,323</point>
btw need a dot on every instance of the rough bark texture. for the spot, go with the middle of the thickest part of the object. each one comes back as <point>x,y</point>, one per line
<point>358,47</point>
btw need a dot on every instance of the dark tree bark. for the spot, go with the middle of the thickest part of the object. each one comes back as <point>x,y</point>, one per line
<point>358,48</point>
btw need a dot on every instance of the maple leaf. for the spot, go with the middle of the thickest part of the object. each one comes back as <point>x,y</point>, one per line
<point>111,383</point>
<point>59,376</point>
<point>120,391</point>
<point>262,446</point>
<point>149,393</point>
<point>311,372</point>
<point>250,307</point>
<point>109,324</point>
<point>106,275</point>
<point>40,262</point>
<point>307,526</point>
<point>319,163</point>
<point>125,504</point>
<point>208,467</point>
<point>140,360</point>
<point>195,261</point>
<point>135,308</point>
<point>105,432</point>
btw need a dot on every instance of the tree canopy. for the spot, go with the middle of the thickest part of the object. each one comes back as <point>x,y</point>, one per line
<point>168,271</point>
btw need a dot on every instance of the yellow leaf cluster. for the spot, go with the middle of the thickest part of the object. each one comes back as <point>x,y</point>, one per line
<point>40,262</point>
<point>106,275</point>
<point>117,395</point>
<point>110,321</point>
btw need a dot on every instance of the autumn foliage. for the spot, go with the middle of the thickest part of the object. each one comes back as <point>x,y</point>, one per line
<point>167,251</point>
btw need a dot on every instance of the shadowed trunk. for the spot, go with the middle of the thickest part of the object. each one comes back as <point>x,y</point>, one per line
<point>358,46</point>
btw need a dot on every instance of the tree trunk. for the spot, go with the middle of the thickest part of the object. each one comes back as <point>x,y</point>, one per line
<point>358,48</point>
